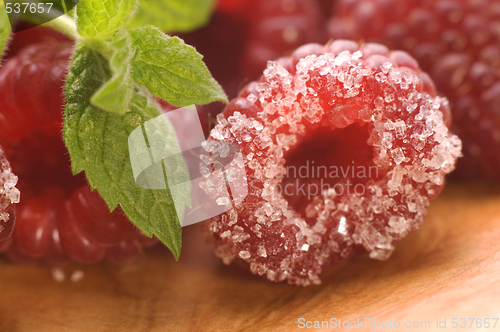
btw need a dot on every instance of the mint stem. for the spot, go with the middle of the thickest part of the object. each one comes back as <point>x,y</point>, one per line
<point>64,24</point>
<point>100,46</point>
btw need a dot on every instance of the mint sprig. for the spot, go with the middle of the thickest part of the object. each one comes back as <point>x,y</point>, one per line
<point>97,144</point>
<point>114,74</point>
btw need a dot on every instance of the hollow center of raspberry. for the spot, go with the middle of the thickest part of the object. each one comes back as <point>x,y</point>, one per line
<point>41,161</point>
<point>326,158</point>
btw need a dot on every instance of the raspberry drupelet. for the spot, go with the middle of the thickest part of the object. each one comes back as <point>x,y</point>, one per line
<point>458,43</point>
<point>336,106</point>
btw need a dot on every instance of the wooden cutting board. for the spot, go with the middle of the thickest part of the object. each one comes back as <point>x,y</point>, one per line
<point>450,268</point>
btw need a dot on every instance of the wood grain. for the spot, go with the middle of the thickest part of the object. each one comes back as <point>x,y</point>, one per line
<point>450,268</point>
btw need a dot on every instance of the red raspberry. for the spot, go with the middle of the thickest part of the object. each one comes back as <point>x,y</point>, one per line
<point>276,27</point>
<point>367,116</point>
<point>233,7</point>
<point>30,34</point>
<point>326,7</point>
<point>222,43</point>
<point>59,218</point>
<point>25,108</point>
<point>242,36</point>
<point>458,43</point>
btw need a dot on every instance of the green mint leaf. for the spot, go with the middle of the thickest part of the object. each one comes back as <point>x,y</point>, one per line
<point>172,70</point>
<point>173,15</point>
<point>101,18</point>
<point>97,142</point>
<point>5,29</point>
<point>115,94</point>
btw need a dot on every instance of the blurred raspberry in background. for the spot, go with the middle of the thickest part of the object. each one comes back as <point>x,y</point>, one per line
<point>458,43</point>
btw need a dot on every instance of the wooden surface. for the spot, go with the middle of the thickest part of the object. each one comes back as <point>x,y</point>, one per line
<point>450,268</point>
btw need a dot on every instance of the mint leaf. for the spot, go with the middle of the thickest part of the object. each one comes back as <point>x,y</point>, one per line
<point>172,70</point>
<point>97,144</point>
<point>5,29</point>
<point>173,15</point>
<point>114,95</point>
<point>101,18</point>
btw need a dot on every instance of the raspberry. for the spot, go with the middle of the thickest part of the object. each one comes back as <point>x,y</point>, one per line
<point>29,34</point>
<point>369,117</point>
<point>238,42</point>
<point>24,108</point>
<point>233,7</point>
<point>60,218</point>
<point>9,195</point>
<point>278,26</point>
<point>222,43</point>
<point>458,43</point>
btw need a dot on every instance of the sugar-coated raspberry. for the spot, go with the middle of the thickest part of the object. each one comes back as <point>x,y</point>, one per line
<point>9,195</point>
<point>458,43</point>
<point>369,117</point>
<point>59,218</point>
